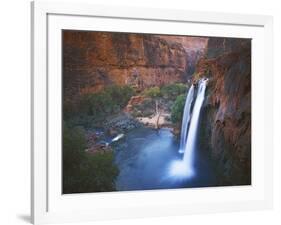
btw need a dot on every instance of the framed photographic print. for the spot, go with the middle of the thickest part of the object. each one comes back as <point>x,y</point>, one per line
<point>149,112</point>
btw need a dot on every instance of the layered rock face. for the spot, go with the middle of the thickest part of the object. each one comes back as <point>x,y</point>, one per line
<point>226,117</point>
<point>92,60</point>
<point>195,48</point>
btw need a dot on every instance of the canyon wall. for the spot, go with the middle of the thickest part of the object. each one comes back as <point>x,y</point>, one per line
<point>92,60</point>
<point>226,116</point>
<point>195,48</point>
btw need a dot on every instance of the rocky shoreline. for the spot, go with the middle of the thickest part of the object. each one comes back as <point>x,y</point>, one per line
<point>99,139</point>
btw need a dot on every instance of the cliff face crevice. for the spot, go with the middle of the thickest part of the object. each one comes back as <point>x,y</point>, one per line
<point>226,117</point>
<point>93,60</point>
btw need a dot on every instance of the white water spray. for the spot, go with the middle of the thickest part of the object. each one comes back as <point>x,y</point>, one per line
<point>118,137</point>
<point>184,167</point>
<point>186,118</point>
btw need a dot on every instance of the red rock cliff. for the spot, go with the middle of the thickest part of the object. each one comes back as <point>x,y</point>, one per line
<point>227,114</point>
<point>92,60</point>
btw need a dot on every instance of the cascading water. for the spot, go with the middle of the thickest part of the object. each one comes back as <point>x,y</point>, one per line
<point>184,167</point>
<point>192,132</point>
<point>186,118</point>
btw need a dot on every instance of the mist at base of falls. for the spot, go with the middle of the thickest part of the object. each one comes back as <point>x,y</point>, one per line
<point>180,170</point>
<point>144,159</point>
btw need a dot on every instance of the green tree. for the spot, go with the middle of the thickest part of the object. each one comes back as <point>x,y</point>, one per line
<point>98,173</point>
<point>120,94</point>
<point>171,91</point>
<point>74,144</point>
<point>177,109</point>
<point>111,100</point>
<point>153,92</point>
<point>82,171</point>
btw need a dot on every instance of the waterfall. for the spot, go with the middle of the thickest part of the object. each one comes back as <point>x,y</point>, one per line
<point>186,118</point>
<point>184,167</point>
<point>191,137</point>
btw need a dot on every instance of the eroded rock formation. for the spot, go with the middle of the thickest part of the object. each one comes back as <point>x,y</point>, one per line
<point>226,124</point>
<point>92,60</point>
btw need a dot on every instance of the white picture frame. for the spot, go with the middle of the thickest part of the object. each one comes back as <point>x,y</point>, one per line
<point>48,205</point>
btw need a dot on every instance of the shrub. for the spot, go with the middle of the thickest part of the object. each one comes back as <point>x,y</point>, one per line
<point>177,109</point>
<point>74,144</point>
<point>99,173</point>
<point>111,100</point>
<point>153,92</point>
<point>99,104</point>
<point>171,91</point>
<point>82,171</point>
<point>120,94</point>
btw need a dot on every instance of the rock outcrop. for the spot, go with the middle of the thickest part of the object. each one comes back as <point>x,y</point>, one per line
<point>135,100</point>
<point>226,116</point>
<point>93,60</point>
